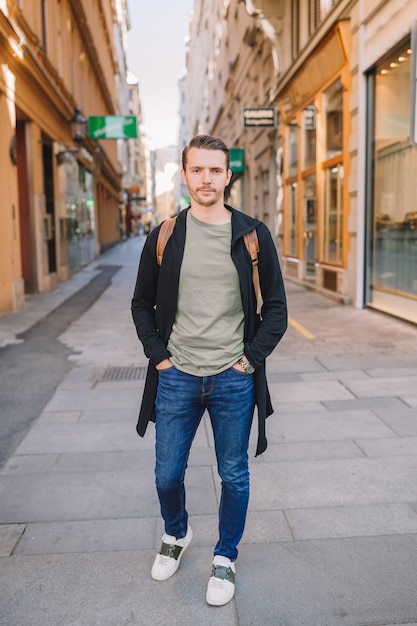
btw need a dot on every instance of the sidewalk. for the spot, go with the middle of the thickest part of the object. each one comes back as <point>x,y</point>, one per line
<point>331,536</point>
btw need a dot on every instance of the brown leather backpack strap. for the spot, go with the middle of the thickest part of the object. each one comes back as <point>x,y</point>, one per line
<point>252,244</point>
<point>164,234</point>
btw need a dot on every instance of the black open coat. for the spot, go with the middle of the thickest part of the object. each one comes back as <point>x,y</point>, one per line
<point>154,306</point>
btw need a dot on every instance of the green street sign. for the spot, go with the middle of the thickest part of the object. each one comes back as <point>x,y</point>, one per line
<point>237,160</point>
<point>184,202</point>
<point>112,127</point>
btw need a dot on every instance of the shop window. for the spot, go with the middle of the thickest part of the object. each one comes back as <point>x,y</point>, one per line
<point>309,137</point>
<point>333,215</point>
<point>291,220</point>
<point>310,225</point>
<point>292,152</point>
<point>392,183</point>
<point>333,107</point>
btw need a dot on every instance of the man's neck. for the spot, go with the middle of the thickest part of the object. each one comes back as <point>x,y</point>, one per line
<point>216,214</point>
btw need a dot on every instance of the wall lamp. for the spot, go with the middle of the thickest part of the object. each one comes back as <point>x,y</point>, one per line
<point>78,125</point>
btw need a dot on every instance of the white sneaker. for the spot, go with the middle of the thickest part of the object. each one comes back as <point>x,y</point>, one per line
<point>221,586</point>
<point>168,559</point>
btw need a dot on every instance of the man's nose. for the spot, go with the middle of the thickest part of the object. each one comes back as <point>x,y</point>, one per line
<point>206,176</point>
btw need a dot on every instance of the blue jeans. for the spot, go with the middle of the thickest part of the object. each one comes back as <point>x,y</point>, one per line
<point>181,400</point>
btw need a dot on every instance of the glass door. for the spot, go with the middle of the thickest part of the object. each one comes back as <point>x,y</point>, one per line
<point>310,226</point>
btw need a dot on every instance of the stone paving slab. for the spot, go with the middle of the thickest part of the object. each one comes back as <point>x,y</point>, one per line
<point>311,391</point>
<point>386,403</point>
<point>352,521</point>
<point>59,417</point>
<point>338,482</point>
<point>94,399</point>
<point>326,426</point>
<point>93,495</point>
<point>30,464</point>
<point>394,446</point>
<point>108,535</point>
<point>311,450</point>
<point>9,536</point>
<point>340,375</point>
<point>367,361</point>
<point>281,406</point>
<point>84,434</point>
<point>410,400</point>
<point>284,365</point>
<point>86,437</point>
<point>403,421</point>
<point>112,461</point>
<point>393,372</point>
<point>377,387</point>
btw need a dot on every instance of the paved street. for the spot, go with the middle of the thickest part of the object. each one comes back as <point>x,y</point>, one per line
<point>331,536</point>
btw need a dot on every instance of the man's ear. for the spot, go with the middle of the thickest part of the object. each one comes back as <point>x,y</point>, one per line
<point>183,177</point>
<point>229,176</point>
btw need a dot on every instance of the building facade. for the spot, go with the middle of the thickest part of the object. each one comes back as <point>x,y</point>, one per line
<point>59,194</point>
<point>333,174</point>
<point>387,180</point>
<point>135,193</point>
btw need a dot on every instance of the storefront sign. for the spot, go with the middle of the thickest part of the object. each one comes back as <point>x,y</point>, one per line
<point>112,127</point>
<point>329,58</point>
<point>259,117</point>
<point>237,160</point>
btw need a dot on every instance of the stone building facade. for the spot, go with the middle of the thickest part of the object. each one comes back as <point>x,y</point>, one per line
<point>59,201</point>
<point>334,178</point>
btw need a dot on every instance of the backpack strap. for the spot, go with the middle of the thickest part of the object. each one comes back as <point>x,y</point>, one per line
<point>252,244</point>
<point>164,234</point>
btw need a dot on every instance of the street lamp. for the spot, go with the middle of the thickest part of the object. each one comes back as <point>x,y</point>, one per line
<point>78,125</point>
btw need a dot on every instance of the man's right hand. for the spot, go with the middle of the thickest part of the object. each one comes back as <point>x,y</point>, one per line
<point>163,365</point>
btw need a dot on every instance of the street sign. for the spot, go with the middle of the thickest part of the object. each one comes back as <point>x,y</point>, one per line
<point>259,117</point>
<point>112,127</point>
<point>237,160</point>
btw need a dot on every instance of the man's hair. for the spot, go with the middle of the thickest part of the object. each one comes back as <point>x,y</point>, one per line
<point>206,142</point>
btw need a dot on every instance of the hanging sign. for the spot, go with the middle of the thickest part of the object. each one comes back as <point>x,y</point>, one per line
<point>259,117</point>
<point>237,160</point>
<point>112,127</point>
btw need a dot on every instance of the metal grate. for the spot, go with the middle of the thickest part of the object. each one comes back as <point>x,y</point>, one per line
<point>117,374</point>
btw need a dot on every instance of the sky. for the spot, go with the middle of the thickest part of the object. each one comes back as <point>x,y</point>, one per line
<point>156,56</point>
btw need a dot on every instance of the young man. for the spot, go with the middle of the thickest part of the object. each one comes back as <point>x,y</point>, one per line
<point>196,317</point>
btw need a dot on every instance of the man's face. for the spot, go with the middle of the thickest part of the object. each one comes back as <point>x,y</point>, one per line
<point>206,175</point>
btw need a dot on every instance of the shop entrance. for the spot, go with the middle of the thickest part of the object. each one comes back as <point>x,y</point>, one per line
<point>310,227</point>
<point>49,221</point>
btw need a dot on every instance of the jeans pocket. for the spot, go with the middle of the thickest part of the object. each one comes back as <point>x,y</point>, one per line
<point>166,369</point>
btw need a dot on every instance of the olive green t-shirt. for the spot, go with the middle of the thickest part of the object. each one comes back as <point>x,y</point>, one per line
<point>207,335</point>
